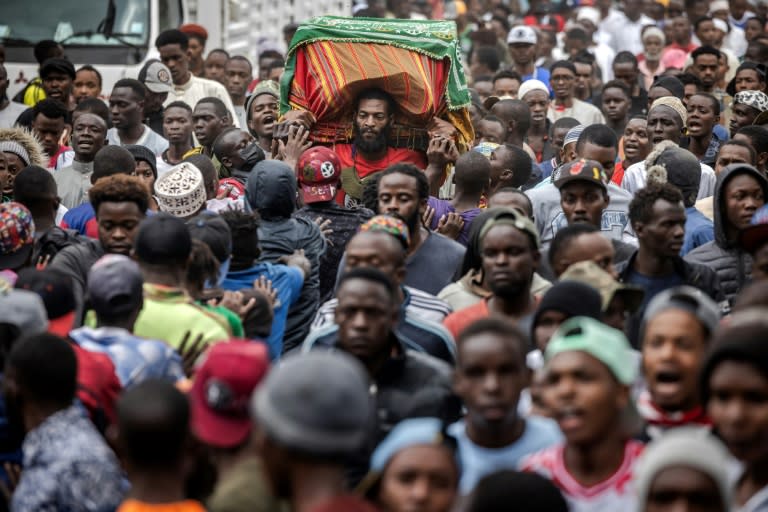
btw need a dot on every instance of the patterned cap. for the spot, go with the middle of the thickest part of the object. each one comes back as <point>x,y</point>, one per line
<point>391,225</point>
<point>319,171</point>
<point>17,235</point>
<point>267,87</point>
<point>573,134</point>
<point>180,191</point>
<point>755,99</point>
<point>582,170</point>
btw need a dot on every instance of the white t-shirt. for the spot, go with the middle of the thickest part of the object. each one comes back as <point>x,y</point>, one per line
<point>198,88</point>
<point>10,113</point>
<point>635,179</point>
<point>617,493</point>
<point>149,139</point>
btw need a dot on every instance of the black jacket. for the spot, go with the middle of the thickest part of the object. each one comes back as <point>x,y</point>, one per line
<point>692,274</point>
<point>732,264</point>
<point>271,190</point>
<point>410,385</point>
<point>76,261</point>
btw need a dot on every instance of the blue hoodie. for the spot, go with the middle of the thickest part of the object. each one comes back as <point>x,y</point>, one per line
<point>288,282</point>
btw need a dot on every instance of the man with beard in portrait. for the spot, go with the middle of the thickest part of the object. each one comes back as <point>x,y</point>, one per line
<point>369,153</point>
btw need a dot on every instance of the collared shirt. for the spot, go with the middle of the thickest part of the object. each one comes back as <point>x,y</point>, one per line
<point>73,183</point>
<point>135,359</point>
<point>68,466</point>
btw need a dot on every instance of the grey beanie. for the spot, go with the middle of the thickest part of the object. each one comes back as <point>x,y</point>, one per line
<point>669,163</point>
<point>689,447</point>
<point>316,404</point>
<point>688,299</point>
<point>11,146</point>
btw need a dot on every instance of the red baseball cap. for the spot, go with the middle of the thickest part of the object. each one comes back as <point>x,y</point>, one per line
<point>222,391</point>
<point>319,174</point>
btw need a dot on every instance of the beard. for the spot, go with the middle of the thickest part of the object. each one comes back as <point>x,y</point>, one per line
<point>413,222</point>
<point>510,290</point>
<point>370,146</point>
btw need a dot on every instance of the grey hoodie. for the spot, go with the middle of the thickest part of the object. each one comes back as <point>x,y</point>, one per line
<point>271,190</point>
<point>732,265</point>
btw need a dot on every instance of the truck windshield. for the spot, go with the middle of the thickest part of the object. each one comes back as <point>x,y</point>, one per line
<point>75,22</point>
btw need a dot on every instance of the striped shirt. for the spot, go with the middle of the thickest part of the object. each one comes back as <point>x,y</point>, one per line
<point>418,304</point>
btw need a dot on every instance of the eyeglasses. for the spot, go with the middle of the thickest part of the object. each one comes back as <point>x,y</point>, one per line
<point>562,78</point>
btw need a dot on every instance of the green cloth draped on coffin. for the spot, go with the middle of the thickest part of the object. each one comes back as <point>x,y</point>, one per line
<point>332,59</point>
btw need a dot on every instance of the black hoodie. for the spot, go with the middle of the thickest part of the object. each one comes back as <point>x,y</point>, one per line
<point>271,191</point>
<point>732,265</point>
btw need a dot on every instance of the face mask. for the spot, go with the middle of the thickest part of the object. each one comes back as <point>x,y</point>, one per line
<point>251,155</point>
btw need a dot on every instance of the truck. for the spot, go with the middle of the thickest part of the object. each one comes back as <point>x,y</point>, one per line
<point>117,36</point>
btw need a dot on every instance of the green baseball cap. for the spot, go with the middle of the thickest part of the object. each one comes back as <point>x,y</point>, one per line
<point>608,345</point>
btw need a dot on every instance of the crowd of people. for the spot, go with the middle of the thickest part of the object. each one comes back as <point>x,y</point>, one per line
<point>202,307</point>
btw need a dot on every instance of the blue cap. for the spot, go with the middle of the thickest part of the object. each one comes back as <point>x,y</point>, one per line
<point>410,432</point>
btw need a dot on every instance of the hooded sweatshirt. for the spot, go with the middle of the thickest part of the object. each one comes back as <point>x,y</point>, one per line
<point>271,190</point>
<point>732,265</point>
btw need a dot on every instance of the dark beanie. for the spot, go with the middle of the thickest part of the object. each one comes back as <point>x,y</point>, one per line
<point>671,84</point>
<point>571,298</point>
<point>143,153</point>
<point>57,65</point>
<point>683,170</point>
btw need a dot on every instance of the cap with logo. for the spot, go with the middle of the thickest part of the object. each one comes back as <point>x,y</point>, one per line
<point>156,77</point>
<point>222,391</point>
<point>521,35</point>
<point>17,235</point>
<point>319,171</point>
<point>582,170</point>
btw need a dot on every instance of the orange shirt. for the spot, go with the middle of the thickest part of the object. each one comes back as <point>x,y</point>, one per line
<point>179,506</point>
